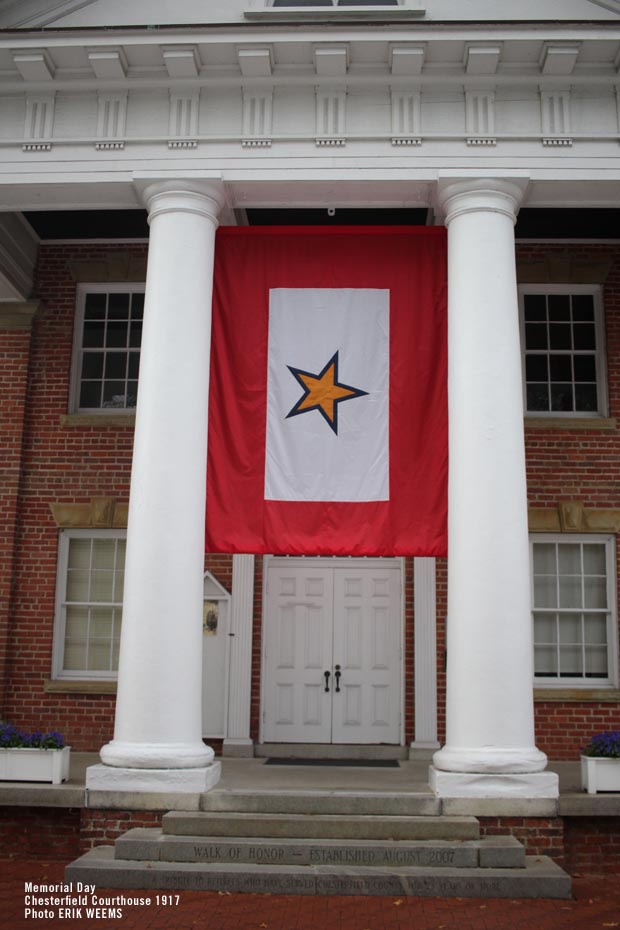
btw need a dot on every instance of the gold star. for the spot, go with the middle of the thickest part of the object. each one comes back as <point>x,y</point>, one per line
<point>323,392</point>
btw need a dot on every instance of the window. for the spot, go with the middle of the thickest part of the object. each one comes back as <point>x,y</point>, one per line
<point>300,3</point>
<point>91,567</point>
<point>574,610</point>
<point>106,353</point>
<point>563,342</point>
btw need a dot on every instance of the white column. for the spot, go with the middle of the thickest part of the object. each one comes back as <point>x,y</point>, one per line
<point>158,710</point>
<point>489,709</point>
<point>238,742</point>
<point>425,658</point>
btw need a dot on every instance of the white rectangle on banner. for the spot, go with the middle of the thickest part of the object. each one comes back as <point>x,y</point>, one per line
<point>328,395</point>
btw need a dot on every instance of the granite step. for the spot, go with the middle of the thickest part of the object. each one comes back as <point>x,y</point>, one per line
<point>408,803</point>
<point>142,843</point>
<point>540,878</point>
<point>319,826</point>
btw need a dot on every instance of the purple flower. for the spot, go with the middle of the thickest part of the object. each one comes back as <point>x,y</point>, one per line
<point>605,745</point>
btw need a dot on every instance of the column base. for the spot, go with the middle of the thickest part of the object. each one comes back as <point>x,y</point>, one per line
<point>238,748</point>
<point>156,755</point>
<point>162,781</point>
<point>492,760</point>
<point>506,785</point>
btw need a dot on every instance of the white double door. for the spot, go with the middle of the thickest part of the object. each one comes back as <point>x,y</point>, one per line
<point>332,651</point>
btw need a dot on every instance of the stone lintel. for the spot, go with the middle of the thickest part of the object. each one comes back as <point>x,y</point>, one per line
<point>117,267</point>
<point>573,517</point>
<point>18,315</point>
<point>100,512</point>
<point>562,268</point>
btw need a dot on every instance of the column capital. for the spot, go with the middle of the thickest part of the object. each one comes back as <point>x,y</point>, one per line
<point>458,195</point>
<point>183,196</point>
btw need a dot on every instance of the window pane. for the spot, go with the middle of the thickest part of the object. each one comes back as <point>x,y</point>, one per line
<point>583,307</point>
<point>102,586</point>
<point>114,394</point>
<point>594,561</point>
<point>94,306</point>
<point>537,397</point>
<point>570,628</point>
<point>585,368</point>
<point>596,662</point>
<point>103,553</point>
<point>536,368</point>
<point>570,661</point>
<point>76,623</point>
<point>115,364</point>
<point>561,397</point>
<point>77,585</point>
<point>137,306</point>
<point>135,334</point>
<point>101,622</point>
<point>118,307</point>
<point>134,365</point>
<point>116,335</point>
<point>584,336</point>
<point>586,398</point>
<point>559,336</point>
<point>545,628</point>
<point>92,365</point>
<point>99,657</point>
<point>561,368</point>
<point>570,591</point>
<point>595,592</point>
<point>559,307</point>
<point>93,334</point>
<point>75,656</point>
<point>595,626</point>
<point>536,335</point>
<point>545,591</point>
<point>545,661</point>
<point>544,558</point>
<point>119,583</point>
<point>79,553</point>
<point>90,394</point>
<point>535,307</point>
<point>569,559</point>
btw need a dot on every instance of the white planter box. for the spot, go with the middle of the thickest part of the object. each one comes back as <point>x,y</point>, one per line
<point>600,774</point>
<point>35,764</point>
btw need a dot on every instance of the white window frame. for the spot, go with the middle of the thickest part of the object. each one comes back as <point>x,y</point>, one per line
<point>78,330</point>
<point>600,355</point>
<point>58,649</point>
<point>402,9</point>
<point>578,682</point>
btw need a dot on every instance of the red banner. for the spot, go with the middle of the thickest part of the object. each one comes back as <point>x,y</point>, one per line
<point>328,399</point>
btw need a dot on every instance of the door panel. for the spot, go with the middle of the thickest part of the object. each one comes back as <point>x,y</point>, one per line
<point>298,650</point>
<point>367,647</point>
<point>320,617</point>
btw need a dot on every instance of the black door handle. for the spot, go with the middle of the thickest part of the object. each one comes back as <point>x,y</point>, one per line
<point>326,680</point>
<point>337,679</point>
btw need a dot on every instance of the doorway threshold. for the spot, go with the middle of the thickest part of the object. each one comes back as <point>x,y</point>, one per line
<point>350,751</point>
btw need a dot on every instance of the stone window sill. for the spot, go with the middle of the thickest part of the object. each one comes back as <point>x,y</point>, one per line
<point>70,686</point>
<point>570,423</point>
<point>98,419</point>
<point>575,695</point>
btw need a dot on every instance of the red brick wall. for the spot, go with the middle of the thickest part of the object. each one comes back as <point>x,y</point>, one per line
<point>39,832</point>
<point>592,844</point>
<point>14,365</point>
<point>60,463</point>
<point>541,836</point>
<point>103,827</point>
